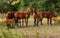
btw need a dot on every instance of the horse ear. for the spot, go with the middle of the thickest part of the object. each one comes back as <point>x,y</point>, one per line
<point>56,13</point>
<point>9,12</point>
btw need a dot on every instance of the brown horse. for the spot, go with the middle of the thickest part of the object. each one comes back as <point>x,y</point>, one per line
<point>10,15</point>
<point>38,16</point>
<point>49,16</point>
<point>23,15</point>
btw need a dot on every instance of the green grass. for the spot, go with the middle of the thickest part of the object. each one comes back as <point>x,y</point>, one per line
<point>31,21</point>
<point>2,16</point>
<point>41,31</point>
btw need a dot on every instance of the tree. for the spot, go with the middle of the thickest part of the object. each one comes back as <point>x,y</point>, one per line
<point>50,5</point>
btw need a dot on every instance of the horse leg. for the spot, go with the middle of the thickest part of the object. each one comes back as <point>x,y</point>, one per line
<point>37,21</point>
<point>20,23</point>
<point>23,22</point>
<point>41,22</point>
<point>50,21</point>
<point>26,22</point>
<point>13,24</point>
<point>16,22</point>
<point>34,22</point>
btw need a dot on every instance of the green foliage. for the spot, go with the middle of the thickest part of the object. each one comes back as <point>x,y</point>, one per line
<point>21,5</point>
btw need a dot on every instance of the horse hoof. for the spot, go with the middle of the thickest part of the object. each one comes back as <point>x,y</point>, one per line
<point>26,26</point>
<point>34,25</point>
<point>37,26</point>
<point>47,24</point>
<point>50,24</point>
<point>41,24</point>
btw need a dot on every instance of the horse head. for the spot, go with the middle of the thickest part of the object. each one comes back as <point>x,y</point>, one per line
<point>29,9</point>
<point>7,15</point>
<point>34,10</point>
<point>10,15</point>
<point>54,14</point>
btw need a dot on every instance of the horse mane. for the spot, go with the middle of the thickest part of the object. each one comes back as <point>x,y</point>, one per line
<point>54,13</point>
<point>35,10</point>
<point>28,10</point>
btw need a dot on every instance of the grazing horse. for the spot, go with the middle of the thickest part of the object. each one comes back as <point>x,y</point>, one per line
<point>23,15</point>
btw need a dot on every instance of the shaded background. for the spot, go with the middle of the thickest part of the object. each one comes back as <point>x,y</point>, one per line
<point>21,5</point>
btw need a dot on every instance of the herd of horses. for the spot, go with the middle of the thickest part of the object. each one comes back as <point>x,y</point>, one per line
<point>38,16</point>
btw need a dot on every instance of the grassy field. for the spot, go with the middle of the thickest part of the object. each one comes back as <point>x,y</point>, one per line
<point>44,31</point>
<point>2,16</point>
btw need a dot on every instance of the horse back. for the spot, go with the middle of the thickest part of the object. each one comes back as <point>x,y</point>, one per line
<point>21,15</point>
<point>48,14</point>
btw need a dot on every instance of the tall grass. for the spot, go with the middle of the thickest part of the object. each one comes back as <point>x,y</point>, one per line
<point>36,32</point>
<point>42,31</point>
<point>7,33</point>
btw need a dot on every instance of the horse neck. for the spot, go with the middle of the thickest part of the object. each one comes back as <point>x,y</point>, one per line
<point>54,14</point>
<point>28,11</point>
<point>35,11</point>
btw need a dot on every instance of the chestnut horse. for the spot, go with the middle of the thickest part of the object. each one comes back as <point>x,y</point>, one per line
<point>36,16</point>
<point>39,15</point>
<point>23,15</point>
<point>49,16</point>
